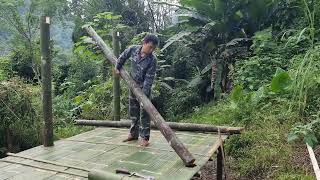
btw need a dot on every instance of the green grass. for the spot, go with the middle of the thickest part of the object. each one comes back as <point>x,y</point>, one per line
<point>262,150</point>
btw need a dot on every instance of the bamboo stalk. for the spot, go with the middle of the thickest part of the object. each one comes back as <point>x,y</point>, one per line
<point>166,131</point>
<point>46,81</point>
<point>173,125</point>
<point>43,168</point>
<point>47,162</point>
<point>116,80</point>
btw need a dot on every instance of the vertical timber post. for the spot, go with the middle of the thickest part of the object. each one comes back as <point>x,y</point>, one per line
<point>116,79</point>
<point>219,164</point>
<point>46,81</point>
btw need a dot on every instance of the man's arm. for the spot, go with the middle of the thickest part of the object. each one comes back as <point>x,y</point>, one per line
<point>123,57</point>
<point>150,74</point>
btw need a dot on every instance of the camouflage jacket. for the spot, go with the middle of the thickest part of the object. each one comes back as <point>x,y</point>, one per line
<point>142,70</point>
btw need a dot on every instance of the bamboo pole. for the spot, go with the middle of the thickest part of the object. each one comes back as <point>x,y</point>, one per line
<point>47,162</point>
<point>166,131</point>
<point>173,125</point>
<point>23,163</point>
<point>116,80</point>
<point>46,81</point>
<point>314,162</point>
<point>219,164</point>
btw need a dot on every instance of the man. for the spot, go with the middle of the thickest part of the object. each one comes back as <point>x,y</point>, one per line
<point>143,69</point>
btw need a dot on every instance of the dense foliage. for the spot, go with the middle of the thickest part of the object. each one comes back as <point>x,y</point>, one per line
<point>251,63</point>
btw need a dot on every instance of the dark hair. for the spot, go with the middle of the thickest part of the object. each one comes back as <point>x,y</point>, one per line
<point>151,38</point>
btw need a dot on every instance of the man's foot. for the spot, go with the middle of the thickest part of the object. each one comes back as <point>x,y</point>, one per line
<point>130,138</point>
<point>144,143</point>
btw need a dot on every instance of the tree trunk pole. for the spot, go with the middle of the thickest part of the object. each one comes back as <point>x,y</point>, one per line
<point>116,80</point>
<point>173,125</point>
<point>46,81</point>
<point>220,164</point>
<point>166,131</point>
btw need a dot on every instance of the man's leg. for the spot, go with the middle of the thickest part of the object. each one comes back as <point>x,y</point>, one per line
<point>145,124</point>
<point>134,113</point>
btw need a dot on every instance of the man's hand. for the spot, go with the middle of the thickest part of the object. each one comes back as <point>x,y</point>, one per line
<point>116,71</point>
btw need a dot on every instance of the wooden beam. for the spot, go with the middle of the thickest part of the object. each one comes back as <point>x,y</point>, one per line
<point>173,125</point>
<point>314,162</point>
<point>166,131</point>
<point>46,81</point>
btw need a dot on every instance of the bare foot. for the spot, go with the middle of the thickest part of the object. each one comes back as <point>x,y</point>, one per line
<point>143,143</point>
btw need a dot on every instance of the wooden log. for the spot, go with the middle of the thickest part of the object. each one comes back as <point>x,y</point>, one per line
<point>166,131</point>
<point>173,125</point>
<point>46,81</point>
<point>116,80</point>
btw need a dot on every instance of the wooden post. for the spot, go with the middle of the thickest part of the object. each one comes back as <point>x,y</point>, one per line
<point>166,131</point>
<point>219,164</point>
<point>46,81</point>
<point>116,80</point>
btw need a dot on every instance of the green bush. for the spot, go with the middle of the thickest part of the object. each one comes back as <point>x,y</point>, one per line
<point>81,75</point>
<point>181,102</point>
<point>19,115</point>
<point>23,64</point>
<point>5,68</point>
<point>63,110</point>
<point>97,101</point>
<point>258,70</point>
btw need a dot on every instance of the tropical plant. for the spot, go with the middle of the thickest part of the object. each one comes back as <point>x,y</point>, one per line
<point>218,38</point>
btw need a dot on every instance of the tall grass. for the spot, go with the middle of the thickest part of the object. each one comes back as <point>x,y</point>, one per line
<point>305,76</point>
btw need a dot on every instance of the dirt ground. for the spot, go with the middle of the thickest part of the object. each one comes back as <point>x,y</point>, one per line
<point>207,172</point>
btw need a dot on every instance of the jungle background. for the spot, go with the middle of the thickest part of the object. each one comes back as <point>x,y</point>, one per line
<point>250,63</point>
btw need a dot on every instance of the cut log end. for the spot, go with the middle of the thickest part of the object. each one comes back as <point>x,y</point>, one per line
<point>191,163</point>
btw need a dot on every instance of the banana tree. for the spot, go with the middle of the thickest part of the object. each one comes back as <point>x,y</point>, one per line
<point>223,34</point>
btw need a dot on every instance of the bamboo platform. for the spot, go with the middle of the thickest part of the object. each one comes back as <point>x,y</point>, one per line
<point>102,149</point>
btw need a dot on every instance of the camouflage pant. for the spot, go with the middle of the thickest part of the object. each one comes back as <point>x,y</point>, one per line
<point>140,121</point>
